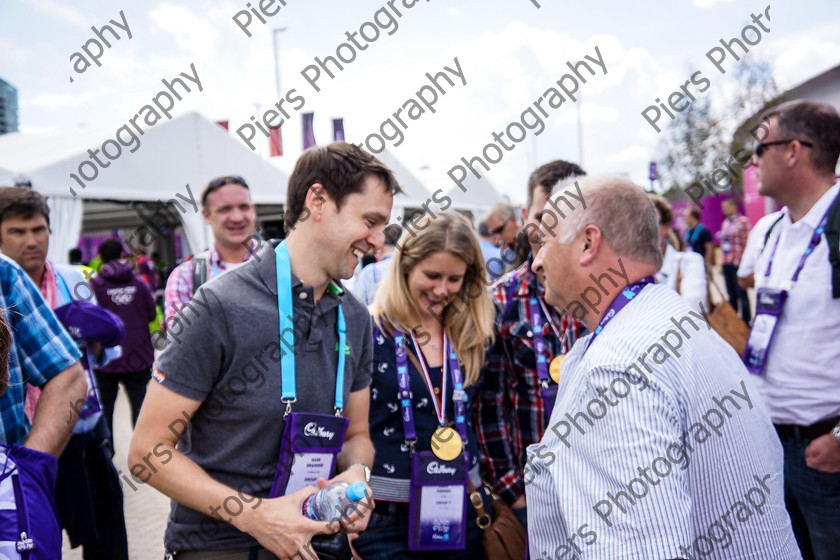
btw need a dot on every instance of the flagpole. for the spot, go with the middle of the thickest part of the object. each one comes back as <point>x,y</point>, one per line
<point>275,42</point>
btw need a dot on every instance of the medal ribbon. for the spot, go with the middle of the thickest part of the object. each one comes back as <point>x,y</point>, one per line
<point>440,408</point>
<point>287,327</point>
<point>619,303</point>
<point>815,240</point>
<point>560,337</point>
<point>458,395</point>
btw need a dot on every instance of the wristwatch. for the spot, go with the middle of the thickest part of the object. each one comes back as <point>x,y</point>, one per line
<point>366,469</point>
<point>837,433</point>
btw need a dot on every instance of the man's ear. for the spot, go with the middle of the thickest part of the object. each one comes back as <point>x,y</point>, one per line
<point>524,212</point>
<point>316,200</point>
<point>591,240</point>
<point>206,215</point>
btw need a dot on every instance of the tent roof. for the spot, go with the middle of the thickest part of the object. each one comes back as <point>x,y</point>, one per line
<point>480,194</point>
<point>7,178</point>
<point>189,149</point>
<point>414,193</point>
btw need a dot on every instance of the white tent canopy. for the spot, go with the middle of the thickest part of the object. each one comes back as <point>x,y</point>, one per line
<point>479,195</point>
<point>414,194</point>
<point>188,150</point>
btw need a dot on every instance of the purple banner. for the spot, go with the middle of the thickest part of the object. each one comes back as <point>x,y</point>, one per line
<point>308,132</point>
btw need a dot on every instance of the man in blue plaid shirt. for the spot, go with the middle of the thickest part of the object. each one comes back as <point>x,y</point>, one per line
<point>42,354</point>
<point>510,412</point>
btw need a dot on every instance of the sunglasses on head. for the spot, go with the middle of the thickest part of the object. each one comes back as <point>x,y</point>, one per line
<point>762,147</point>
<point>227,180</point>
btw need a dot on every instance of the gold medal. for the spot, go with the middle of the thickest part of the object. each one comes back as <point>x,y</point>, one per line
<point>446,443</point>
<point>554,368</point>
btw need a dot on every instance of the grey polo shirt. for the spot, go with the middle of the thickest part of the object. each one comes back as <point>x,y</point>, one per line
<point>227,355</point>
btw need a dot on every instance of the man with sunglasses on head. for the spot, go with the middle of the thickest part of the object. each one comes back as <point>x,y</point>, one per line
<point>227,208</point>
<point>793,345</point>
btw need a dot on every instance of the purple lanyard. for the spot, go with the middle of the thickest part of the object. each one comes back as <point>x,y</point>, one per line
<point>619,303</point>
<point>539,341</point>
<point>815,240</point>
<point>510,294</point>
<point>458,394</point>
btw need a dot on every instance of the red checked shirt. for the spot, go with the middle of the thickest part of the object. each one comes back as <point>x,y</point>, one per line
<point>509,409</point>
<point>179,287</point>
<point>733,238</point>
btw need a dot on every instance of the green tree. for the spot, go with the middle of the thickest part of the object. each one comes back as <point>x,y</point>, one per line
<point>714,127</point>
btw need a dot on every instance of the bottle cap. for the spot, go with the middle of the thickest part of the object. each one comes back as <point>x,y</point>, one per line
<point>356,491</point>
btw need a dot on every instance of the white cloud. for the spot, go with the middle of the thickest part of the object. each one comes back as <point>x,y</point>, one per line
<point>804,59</point>
<point>709,3</point>
<point>65,100</point>
<point>192,34</point>
<point>631,153</point>
<point>60,10</point>
<point>590,113</point>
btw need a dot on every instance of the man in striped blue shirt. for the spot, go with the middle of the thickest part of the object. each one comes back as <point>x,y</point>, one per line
<point>659,446</point>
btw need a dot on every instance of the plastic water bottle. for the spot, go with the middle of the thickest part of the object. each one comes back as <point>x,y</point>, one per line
<point>332,502</point>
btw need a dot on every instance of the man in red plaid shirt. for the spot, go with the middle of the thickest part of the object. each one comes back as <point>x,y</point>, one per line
<point>733,238</point>
<point>510,410</point>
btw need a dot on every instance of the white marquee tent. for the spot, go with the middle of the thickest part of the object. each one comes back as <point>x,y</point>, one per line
<point>189,149</point>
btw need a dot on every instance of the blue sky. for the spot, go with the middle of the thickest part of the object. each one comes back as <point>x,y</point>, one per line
<point>510,52</point>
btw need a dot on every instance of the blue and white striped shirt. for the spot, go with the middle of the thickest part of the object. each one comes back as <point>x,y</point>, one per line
<point>657,451</point>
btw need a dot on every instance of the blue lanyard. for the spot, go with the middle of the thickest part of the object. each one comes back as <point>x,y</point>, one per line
<point>694,234</point>
<point>619,303</point>
<point>64,288</point>
<point>285,310</point>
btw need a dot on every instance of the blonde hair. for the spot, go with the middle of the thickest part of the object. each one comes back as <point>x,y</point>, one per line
<point>468,317</point>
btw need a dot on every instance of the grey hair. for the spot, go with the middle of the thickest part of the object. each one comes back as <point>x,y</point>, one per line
<point>502,211</point>
<point>620,209</point>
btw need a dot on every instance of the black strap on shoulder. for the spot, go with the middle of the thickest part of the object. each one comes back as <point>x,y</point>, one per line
<point>770,230</point>
<point>832,236</point>
<point>201,263</point>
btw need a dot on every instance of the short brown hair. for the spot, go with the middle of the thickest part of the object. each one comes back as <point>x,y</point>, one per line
<point>664,207</point>
<point>341,168</point>
<point>548,175</point>
<point>220,182</point>
<point>818,123</point>
<point>23,202</point>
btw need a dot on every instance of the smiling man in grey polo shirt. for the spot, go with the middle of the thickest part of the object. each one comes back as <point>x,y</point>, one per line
<point>223,374</point>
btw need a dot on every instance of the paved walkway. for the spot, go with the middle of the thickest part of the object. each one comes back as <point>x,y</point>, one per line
<point>146,509</point>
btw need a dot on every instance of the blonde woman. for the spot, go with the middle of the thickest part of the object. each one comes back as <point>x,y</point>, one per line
<point>433,319</point>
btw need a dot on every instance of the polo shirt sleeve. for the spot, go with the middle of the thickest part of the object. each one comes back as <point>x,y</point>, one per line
<point>43,346</point>
<point>364,370</point>
<point>195,353</point>
<point>614,457</point>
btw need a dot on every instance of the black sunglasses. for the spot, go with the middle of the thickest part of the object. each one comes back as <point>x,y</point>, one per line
<point>498,230</point>
<point>227,180</point>
<point>760,148</point>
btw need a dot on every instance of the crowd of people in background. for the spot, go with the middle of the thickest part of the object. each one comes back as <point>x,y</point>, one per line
<point>559,366</point>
